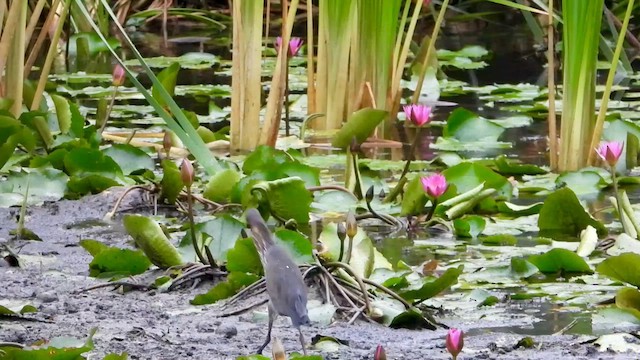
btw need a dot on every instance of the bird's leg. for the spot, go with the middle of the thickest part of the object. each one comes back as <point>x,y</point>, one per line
<point>304,349</point>
<point>272,317</point>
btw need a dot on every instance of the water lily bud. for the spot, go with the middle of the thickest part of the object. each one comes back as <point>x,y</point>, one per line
<point>610,151</point>
<point>118,75</point>
<point>380,353</point>
<point>434,185</point>
<point>342,232</point>
<point>455,342</point>
<point>166,142</point>
<point>352,224</point>
<point>186,172</point>
<point>369,196</point>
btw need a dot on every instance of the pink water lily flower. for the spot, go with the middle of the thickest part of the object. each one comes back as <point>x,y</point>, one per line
<point>610,151</point>
<point>434,185</point>
<point>455,342</point>
<point>295,43</point>
<point>118,75</point>
<point>380,353</point>
<point>418,114</point>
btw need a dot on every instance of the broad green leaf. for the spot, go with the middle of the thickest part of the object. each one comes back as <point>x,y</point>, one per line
<point>414,199</point>
<point>499,240</point>
<point>431,288</point>
<point>192,60</point>
<point>130,158</point>
<point>467,175</point>
<point>44,184</point>
<point>93,247</point>
<point>629,299</point>
<point>82,161</point>
<point>171,183</point>
<point>359,125</point>
<point>560,260</point>
<point>219,187</point>
<point>224,231</point>
<point>114,262</point>
<point>59,348</point>
<point>582,182</point>
<point>507,166</point>
<point>148,236</point>
<point>244,258</point>
<point>299,246</point>
<point>14,307</point>
<point>469,226</point>
<point>465,125</point>
<point>521,268</point>
<point>411,319</point>
<point>329,238</point>
<point>562,217</point>
<point>624,267</point>
<point>287,198</point>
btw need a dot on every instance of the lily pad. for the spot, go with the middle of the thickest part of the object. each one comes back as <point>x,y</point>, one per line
<point>465,125</point>
<point>130,158</point>
<point>562,217</point>
<point>192,60</point>
<point>624,267</point>
<point>117,263</point>
<point>432,288</point>
<point>560,260</point>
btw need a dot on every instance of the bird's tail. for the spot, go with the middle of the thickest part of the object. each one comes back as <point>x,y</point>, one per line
<point>261,234</point>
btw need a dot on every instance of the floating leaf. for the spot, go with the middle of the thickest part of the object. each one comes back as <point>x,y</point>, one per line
<point>130,158</point>
<point>562,217</point>
<point>114,262</point>
<point>432,288</point>
<point>465,125</point>
<point>557,260</point>
<point>10,307</point>
<point>149,236</point>
<point>59,348</point>
<point>507,166</point>
<point>499,240</point>
<point>624,267</point>
<point>469,226</point>
<point>629,299</point>
<point>192,60</point>
<point>467,175</point>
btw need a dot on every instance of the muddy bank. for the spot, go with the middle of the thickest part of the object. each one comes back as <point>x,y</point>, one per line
<point>164,326</point>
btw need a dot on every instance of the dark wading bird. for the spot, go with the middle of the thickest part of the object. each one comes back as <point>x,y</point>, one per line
<point>285,286</point>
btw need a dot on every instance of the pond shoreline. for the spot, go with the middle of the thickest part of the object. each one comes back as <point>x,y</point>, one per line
<point>150,325</point>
